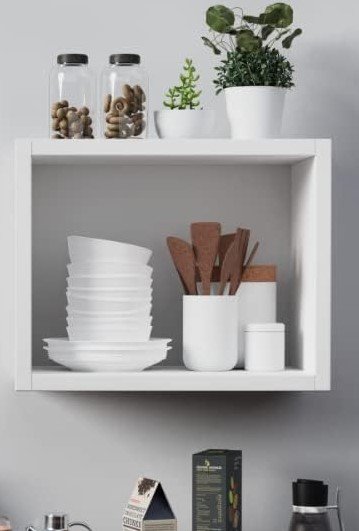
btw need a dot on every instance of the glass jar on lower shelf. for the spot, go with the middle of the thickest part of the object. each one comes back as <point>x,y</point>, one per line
<point>72,98</point>
<point>125,98</point>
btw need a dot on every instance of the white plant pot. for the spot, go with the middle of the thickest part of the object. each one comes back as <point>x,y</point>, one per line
<point>210,332</point>
<point>185,123</point>
<point>255,112</point>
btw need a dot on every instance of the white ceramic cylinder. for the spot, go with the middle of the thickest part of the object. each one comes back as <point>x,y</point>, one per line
<point>257,303</point>
<point>264,347</point>
<point>210,338</point>
<point>255,112</point>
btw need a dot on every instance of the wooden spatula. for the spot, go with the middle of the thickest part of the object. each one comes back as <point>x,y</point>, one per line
<point>184,261</point>
<point>227,267</point>
<point>238,241</point>
<point>205,240</point>
<point>224,244</point>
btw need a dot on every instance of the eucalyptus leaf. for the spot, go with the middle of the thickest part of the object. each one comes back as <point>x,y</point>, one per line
<point>266,31</point>
<point>247,41</point>
<point>220,18</point>
<point>210,44</point>
<point>250,19</point>
<point>287,42</point>
<point>279,15</point>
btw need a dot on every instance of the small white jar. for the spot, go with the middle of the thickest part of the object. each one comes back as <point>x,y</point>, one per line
<point>264,345</point>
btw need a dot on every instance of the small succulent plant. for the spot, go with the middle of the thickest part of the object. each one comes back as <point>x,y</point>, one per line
<point>185,95</point>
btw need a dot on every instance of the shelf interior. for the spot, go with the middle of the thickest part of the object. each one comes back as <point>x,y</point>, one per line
<point>143,205</point>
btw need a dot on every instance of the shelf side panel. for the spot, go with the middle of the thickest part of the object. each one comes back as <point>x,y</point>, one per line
<point>311,258</point>
<point>23,171</point>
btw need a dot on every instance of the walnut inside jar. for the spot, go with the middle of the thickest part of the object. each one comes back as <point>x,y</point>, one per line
<point>70,122</point>
<point>124,113</point>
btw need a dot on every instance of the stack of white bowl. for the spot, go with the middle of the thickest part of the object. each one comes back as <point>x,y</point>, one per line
<point>109,291</point>
<point>109,319</point>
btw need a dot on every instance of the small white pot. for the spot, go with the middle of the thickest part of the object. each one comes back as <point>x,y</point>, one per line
<point>185,123</point>
<point>264,347</point>
<point>255,112</point>
<point>210,332</point>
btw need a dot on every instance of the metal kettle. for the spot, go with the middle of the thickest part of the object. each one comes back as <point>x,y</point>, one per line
<point>310,507</point>
<point>59,522</point>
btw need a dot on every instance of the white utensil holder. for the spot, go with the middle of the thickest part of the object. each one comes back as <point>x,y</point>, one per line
<point>210,332</point>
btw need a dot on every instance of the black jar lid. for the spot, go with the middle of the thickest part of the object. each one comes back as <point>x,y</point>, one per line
<point>310,493</point>
<point>73,58</point>
<point>125,59</point>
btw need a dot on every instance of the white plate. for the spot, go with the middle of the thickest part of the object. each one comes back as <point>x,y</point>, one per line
<point>121,363</point>
<point>109,281</point>
<point>64,344</point>
<point>83,249</point>
<point>111,293</point>
<point>142,334</point>
<point>91,304</point>
<point>108,268</point>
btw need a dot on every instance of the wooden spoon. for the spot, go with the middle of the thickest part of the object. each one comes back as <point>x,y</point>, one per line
<point>205,239</point>
<point>184,261</point>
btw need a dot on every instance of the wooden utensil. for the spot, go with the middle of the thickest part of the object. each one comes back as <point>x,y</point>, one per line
<point>224,244</point>
<point>227,267</point>
<point>240,240</point>
<point>236,277</point>
<point>251,257</point>
<point>205,240</point>
<point>184,261</point>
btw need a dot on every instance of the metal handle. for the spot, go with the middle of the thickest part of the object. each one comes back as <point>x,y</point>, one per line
<point>338,508</point>
<point>81,524</point>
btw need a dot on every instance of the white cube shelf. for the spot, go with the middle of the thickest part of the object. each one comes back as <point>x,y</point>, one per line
<point>309,171</point>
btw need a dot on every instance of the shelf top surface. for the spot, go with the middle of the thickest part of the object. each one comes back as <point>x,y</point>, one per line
<point>183,151</point>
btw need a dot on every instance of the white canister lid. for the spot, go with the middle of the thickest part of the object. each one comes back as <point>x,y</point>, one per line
<point>264,327</point>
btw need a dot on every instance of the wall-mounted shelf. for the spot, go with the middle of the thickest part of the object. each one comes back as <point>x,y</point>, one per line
<point>47,167</point>
<point>172,379</point>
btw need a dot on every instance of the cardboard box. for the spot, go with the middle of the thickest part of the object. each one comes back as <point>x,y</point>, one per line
<point>148,508</point>
<point>217,490</point>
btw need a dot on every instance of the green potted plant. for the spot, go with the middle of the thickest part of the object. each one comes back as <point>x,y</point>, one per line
<point>183,116</point>
<point>254,74</point>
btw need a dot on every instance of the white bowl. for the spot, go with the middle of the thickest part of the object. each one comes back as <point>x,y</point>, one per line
<point>111,293</point>
<point>109,281</point>
<point>91,304</point>
<point>108,268</point>
<point>136,314</point>
<point>99,322</point>
<point>109,334</point>
<point>87,249</point>
<point>65,345</point>
<point>122,362</point>
<point>184,123</point>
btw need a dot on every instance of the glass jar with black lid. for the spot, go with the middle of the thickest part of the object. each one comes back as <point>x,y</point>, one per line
<point>124,97</point>
<point>72,98</point>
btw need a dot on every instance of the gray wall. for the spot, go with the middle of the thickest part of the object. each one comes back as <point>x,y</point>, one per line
<point>82,452</point>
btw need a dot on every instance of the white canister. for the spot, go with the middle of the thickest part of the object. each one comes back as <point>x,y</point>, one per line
<point>264,347</point>
<point>210,337</point>
<point>257,301</point>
